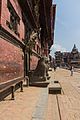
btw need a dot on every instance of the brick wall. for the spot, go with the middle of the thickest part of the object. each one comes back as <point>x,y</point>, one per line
<point>11,63</point>
<point>5,16</point>
<point>33,62</point>
<point>0,11</point>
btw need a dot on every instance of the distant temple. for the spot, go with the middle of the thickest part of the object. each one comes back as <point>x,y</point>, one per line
<point>68,58</point>
<point>75,57</point>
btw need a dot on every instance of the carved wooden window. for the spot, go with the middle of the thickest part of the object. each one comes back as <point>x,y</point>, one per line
<point>14,18</point>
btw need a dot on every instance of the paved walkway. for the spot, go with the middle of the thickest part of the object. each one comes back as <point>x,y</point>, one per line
<point>35,103</point>
<point>67,105</point>
<point>22,107</point>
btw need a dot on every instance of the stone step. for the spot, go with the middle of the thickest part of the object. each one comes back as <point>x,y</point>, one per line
<point>40,84</point>
<point>54,88</point>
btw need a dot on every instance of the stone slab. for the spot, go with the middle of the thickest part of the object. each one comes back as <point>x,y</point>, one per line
<point>39,84</point>
<point>39,113</point>
<point>54,88</point>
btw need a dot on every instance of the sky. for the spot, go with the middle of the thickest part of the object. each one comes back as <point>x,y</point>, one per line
<point>67,25</point>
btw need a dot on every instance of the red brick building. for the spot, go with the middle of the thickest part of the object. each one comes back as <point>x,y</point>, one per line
<point>11,45</point>
<point>25,35</point>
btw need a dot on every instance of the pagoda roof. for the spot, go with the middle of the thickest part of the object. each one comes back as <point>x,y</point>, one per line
<point>74,50</point>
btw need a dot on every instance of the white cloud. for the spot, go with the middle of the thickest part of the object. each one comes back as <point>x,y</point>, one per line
<point>56,47</point>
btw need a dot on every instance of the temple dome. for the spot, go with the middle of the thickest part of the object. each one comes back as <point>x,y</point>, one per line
<point>74,50</point>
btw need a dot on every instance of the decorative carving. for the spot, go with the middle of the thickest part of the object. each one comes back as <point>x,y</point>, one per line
<point>36,9</point>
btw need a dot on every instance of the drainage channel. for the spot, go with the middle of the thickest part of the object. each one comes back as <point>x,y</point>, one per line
<point>39,113</point>
<point>58,107</point>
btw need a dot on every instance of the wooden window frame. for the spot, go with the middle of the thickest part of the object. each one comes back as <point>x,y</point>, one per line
<point>14,19</point>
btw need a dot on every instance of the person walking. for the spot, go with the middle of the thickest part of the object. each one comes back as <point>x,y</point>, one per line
<point>54,67</point>
<point>72,70</point>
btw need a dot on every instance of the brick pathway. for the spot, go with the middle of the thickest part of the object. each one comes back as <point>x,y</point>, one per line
<point>22,107</point>
<point>65,106</point>
<point>35,103</point>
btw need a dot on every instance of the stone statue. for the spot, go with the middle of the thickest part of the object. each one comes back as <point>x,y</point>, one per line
<point>41,71</point>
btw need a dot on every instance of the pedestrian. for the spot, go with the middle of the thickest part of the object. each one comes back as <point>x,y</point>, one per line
<point>72,70</point>
<point>54,67</point>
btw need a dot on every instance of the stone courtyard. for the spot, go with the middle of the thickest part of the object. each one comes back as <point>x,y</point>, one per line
<point>34,103</point>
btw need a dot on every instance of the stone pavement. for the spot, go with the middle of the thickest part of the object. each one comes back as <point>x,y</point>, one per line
<point>65,106</point>
<point>36,104</point>
<point>41,106</point>
<point>23,107</point>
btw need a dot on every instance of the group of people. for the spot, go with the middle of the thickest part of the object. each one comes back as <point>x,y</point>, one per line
<point>71,69</point>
